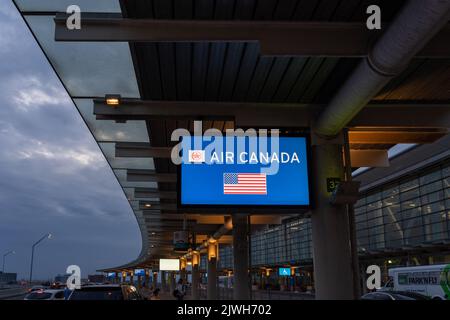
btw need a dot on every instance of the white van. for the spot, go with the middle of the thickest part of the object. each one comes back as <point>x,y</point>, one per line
<point>432,281</point>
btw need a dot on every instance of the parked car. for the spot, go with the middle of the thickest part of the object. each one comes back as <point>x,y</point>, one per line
<point>49,294</point>
<point>36,288</point>
<point>394,295</point>
<point>106,292</point>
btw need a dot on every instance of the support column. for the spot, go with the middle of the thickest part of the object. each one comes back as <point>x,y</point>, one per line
<point>163,281</point>
<point>330,226</point>
<point>241,289</point>
<point>195,276</point>
<point>183,272</point>
<point>172,280</point>
<point>155,280</point>
<point>147,278</point>
<point>212,280</point>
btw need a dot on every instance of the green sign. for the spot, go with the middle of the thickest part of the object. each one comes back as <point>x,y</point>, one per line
<point>332,184</point>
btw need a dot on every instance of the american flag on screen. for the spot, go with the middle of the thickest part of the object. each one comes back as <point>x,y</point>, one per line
<point>245,183</point>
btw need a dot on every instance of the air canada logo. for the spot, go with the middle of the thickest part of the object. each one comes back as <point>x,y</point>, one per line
<point>196,156</point>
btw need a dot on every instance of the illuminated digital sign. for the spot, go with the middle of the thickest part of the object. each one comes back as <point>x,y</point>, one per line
<point>240,173</point>
<point>169,264</point>
<point>139,272</point>
<point>284,272</point>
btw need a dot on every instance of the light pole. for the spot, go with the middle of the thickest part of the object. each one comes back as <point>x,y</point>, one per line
<point>47,236</point>
<point>4,258</point>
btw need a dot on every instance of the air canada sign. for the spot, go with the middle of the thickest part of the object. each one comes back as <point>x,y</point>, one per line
<point>241,170</point>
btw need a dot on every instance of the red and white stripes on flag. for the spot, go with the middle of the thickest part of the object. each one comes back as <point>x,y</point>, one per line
<point>245,183</point>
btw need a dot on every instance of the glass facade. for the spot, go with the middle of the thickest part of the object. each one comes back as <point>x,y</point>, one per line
<point>412,211</point>
<point>408,212</point>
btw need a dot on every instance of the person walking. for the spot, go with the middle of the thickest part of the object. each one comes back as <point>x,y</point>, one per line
<point>180,290</point>
<point>155,295</point>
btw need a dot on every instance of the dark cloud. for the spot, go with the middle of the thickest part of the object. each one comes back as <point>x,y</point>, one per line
<point>53,177</point>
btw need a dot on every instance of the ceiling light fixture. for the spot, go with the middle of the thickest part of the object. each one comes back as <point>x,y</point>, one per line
<point>112,100</point>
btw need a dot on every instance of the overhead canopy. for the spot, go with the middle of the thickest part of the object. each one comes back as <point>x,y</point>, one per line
<point>193,74</point>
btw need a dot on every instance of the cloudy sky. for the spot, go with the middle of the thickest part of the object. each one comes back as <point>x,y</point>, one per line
<point>53,177</point>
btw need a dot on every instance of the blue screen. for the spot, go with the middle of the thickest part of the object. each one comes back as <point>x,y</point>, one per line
<point>139,272</point>
<point>111,274</point>
<point>284,272</point>
<point>206,183</point>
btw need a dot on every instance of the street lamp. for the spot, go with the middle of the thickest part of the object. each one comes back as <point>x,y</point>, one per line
<point>47,236</point>
<point>4,256</point>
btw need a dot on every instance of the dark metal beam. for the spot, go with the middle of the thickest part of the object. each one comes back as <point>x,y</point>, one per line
<point>162,206</point>
<point>383,114</point>
<point>141,150</point>
<point>275,37</point>
<point>154,193</point>
<point>150,176</point>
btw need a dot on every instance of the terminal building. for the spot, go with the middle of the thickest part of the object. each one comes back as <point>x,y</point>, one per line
<point>138,70</point>
<point>8,278</point>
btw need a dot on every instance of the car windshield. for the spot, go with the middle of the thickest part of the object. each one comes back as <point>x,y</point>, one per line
<point>97,294</point>
<point>39,296</point>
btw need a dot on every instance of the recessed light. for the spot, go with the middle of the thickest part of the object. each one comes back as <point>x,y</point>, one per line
<point>112,100</point>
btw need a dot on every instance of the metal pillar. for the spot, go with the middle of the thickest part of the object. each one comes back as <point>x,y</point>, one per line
<point>241,289</point>
<point>155,280</point>
<point>330,225</point>
<point>163,281</point>
<point>183,275</point>
<point>212,293</point>
<point>195,282</point>
<point>172,281</point>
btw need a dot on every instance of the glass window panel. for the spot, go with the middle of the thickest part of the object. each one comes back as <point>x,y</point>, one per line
<point>446,171</point>
<point>361,202</point>
<point>410,204</point>
<point>432,197</point>
<point>391,200</point>
<point>374,205</point>
<point>409,185</point>
<point>412,213</point>
<point>414,235</point>
<point>410,194</point>
<point>393,235</point>
<point>433,207</point>
<point>393,226</point>
<point>360,217</point>
<point>430,177</point>
<point>390,192</point>
<point>108,6</point>
<point>376,237</point>
<point>108,130</point>
<point>432,187</point>
<point>436,217</point>
<point>362,237</point>
<point>374,197</point>
<point>373,216</point>
<point>88,69</point>
<point>446,182</point>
